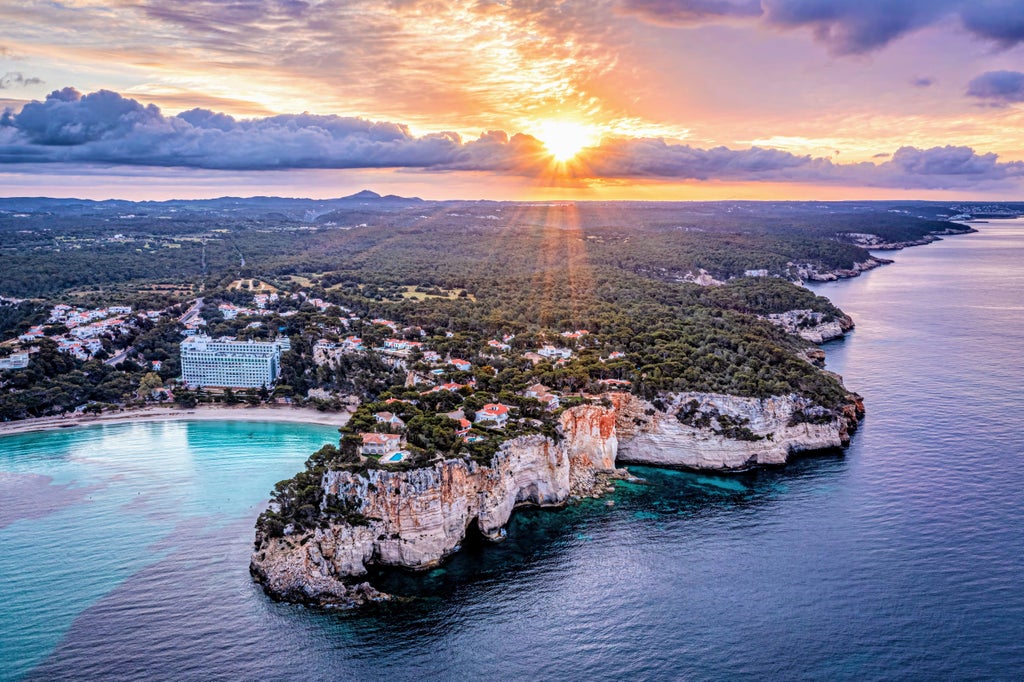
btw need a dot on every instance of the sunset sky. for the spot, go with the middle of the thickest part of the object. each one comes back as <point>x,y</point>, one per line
<point>539,99</point>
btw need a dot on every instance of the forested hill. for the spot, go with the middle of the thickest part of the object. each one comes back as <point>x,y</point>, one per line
<point>461,272</point>
<point>49,246</point>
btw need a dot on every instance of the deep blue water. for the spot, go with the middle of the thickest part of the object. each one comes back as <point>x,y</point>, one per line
<point>901,559</point>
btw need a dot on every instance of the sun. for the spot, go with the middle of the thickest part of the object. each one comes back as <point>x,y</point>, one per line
<point>564,140</point>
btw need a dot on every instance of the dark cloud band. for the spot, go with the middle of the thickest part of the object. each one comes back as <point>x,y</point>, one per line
<point>104,127</point>
<point>848,26</point>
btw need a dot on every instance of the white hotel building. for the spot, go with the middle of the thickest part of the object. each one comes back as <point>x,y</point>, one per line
<point>229,364</point>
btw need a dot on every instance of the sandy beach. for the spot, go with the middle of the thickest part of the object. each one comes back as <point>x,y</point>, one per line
<point>265,413</point>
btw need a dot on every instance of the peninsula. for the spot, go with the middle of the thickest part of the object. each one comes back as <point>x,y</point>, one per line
<point>477,356</point>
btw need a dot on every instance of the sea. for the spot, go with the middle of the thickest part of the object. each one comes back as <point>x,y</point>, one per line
<point>124,549</point>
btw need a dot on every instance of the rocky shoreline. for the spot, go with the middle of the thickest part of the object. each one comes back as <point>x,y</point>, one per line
<point>416,518</point>
<point>812,326</point>
<point>875,243</point>
<point>809,273</point>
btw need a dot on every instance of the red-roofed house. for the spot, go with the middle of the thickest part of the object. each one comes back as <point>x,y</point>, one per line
<point>389,418</point>
<point>451,386</point>
<point>381,443</point>
<point>544,395</point>
<point>459,364</point>
<point>493,413</point>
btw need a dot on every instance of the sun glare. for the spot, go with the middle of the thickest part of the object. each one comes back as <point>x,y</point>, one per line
<point>565,139</point>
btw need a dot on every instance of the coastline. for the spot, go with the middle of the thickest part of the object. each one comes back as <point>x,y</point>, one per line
<point>293,415</point>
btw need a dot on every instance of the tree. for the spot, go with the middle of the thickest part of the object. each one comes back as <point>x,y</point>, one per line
<point>149,382</point>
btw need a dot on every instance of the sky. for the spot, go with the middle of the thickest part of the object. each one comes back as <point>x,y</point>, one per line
<point>509,99</point>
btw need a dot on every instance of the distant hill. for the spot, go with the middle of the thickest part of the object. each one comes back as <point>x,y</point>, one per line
<point>276,208</point>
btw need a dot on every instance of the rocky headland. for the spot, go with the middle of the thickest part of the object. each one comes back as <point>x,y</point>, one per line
<point>415,518</point>
<point>813,273</point>
<point>811,325</point>
<point>875,242</point>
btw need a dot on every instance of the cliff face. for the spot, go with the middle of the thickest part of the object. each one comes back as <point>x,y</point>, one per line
<point>811,325</point>
<point>416,518</point>
<point>592,444</point>
<point>710,431</point>
<point>812,273</point>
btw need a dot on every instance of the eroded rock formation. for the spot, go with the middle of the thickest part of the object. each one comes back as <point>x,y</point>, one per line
<point>722,432</point>
<point>415,518</point>
<point>812,326</point>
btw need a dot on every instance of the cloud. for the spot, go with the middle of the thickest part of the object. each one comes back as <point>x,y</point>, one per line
<point>999,88</point>
<point>922,82</point>
<point>849,26</point>
<point>950,160</point>
<point>857,26</point>
<point>646,157</point>
<point>16,78</point>
<point>383,57</point>
<point>1001,21</point>
<point>675,12</point>
<point>106,128</point>
<point>909,167</point>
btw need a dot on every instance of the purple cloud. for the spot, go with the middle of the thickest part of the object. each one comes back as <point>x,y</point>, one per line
<point>849,26</point>
<point>1001,21</point>
<point>648,157</point>
<point>16,78</point>
<point>998,87</point>
<point>909,167</point>
<point>104,127</point>
<point>949,160</point>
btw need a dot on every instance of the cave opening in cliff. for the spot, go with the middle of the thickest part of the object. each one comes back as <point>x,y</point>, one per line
<point>475,540</point>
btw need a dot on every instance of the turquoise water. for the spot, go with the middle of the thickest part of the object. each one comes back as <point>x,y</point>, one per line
<point>124,550</point>
<point>85,509</point>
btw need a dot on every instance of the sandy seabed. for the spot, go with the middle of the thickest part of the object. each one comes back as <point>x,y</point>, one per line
<point>296,415</point>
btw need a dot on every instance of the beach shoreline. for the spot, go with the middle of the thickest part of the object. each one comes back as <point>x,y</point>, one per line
<point>293,415</point>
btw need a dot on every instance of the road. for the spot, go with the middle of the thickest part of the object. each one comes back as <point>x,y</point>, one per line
<point>191,313</point>
<point>186,317</point>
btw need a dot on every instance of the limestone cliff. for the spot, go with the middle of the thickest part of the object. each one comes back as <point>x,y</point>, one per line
<point>415,518</point>
<point>592,444</point>
<point>721,432</point>
<point>814,273</point>
<point>811,325</point>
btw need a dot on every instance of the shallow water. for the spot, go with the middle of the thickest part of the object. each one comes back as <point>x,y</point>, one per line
<point>126,552</point>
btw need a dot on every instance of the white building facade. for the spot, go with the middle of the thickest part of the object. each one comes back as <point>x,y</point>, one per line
<point>229,364</point>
